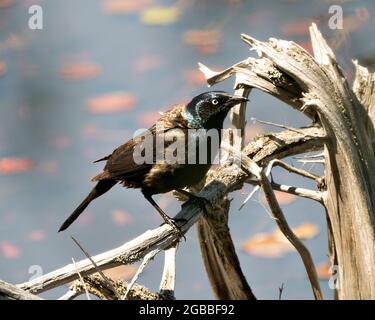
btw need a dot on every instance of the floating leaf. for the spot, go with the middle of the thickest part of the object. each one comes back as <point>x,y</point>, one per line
<point>297,28</point>
<point>49,167</point>
<point>121,217</point>
<point>147,119</point>
<point>146,63</point>
<point>111,102</point>
<point>6,3</point>
<point>307,45</point>
<point>79,70</point>
<point>9,250</point>
<point>60,142</point>
<point>195,77</point>
<point>15,165</point>
<point>323,270</point>
<point>15,42</point>
<point>121,273</point>
<point>283,198</point>
<point>125,6</point>
<point>36,235</point>
<point>206,41</point>
<point>274,244</point>
<point>362,14</point>
<point>252,131</point>
<point>160,15</point>
<point>3,68</point>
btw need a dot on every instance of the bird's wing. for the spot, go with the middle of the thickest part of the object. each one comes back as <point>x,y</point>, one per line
<point>121,163</point>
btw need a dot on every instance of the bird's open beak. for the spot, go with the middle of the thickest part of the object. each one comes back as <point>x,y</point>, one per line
<point>234,100</point>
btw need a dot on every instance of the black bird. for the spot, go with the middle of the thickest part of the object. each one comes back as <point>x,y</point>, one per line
<point>205,111</point>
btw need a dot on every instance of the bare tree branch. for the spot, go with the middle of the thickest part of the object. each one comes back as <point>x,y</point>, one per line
<point>11,292</point>
<point>219,183</point>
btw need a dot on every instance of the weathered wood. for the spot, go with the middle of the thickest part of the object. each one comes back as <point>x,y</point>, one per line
<point>11,292</point>
<point>317,87</point>
<point>219,183</point>
<point>219,255</point>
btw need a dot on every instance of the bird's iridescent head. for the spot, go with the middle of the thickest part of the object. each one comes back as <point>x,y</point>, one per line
<point>209,109</point>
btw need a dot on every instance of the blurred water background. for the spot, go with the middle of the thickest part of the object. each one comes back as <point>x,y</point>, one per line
<point>98,71</point>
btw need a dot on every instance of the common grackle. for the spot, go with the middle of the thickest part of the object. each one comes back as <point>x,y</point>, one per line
<point>206,112</point>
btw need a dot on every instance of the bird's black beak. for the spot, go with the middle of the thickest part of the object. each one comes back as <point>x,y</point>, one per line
<point>234,100</point>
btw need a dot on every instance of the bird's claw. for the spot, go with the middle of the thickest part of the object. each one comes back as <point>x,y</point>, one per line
<point>176,228</point>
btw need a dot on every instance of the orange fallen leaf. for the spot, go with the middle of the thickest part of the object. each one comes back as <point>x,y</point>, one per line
<point>297,28</point>
<point>3,68</point>
<point>60,142</point>
<point>260,17</point>
<point>147,119</point>
<point>195,77</point>
<point>85,219</point>
<point>146,63</point>
<point>125,6</point>
<point>323,270</point>
<point>252,131</point>
<point>9,250</point>
<point>160,15</point>
<point>282,197</point>
<point>90,131</point>
<point>49,167</point>
<point>15,165</point>
<point>307,45</point>
<point>79,70</point>
<point>274,244</point>
<point>36,235</point>
<point>362,14</point>
<point>111,102</point>
<point>121,273</point>
<point>121,217</point>
<point>15,42</point>
<point>206,41</point>
<point>6,3</point>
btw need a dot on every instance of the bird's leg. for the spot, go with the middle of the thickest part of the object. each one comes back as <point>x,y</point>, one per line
<point>166,218</point>
<point>202,202</point>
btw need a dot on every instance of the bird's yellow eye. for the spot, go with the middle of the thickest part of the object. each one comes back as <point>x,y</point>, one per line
<point>214,102</point>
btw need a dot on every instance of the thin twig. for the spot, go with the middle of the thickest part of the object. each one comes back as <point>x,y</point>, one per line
<point>82,281</point>
<point>219,182</point>
<point>311,156</point>
<point>109,283</point>
<point>322,161</point>
<point>301,172</point>
<point>148,257</point>
<point>301,192</point>
<point>255,189</point>
<point>276,125</point>
<point>252,167</point>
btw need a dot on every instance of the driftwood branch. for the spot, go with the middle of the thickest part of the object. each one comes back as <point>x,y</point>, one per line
<point>218,184</point>
<point>343,126</point>
<point>253,169</point>
<point>11,292</point>
<point>218,252</point>
<point>168,279</point>
<point>296,191</point>
<point>317,87</point>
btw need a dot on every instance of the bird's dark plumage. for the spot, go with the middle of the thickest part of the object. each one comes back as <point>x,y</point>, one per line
<point>206,111</point>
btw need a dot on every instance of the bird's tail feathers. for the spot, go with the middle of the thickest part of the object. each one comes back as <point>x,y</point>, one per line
<point>101,187</point>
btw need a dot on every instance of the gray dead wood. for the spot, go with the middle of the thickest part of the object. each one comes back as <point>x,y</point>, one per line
<point>316,86</point>
<point>11,292</point>
<point>219,183</point>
